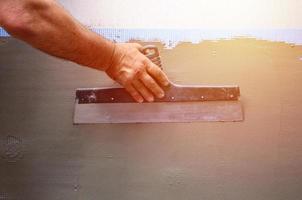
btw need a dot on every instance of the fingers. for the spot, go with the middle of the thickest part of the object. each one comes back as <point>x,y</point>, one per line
<point>134,93</point>
<point>139,86</point>
<point>152,85</point>
<point>157,74</point>
<point>138,74</point>
<point>156,61</point>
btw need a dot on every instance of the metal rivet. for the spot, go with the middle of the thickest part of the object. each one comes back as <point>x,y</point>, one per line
<point>231,95</point>
<point>112,99</point>
<point>172,98</point>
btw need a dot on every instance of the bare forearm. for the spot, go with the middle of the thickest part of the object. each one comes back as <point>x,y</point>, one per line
<point>47,26</point>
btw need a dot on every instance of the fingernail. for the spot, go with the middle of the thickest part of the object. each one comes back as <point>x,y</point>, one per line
<point>150,99</point>
<point>166,83</point>
<point>140,100</point>
<point>161,95</point>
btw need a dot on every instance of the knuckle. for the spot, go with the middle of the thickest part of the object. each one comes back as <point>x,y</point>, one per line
<point>156,71</point>
<point>140,67</point>
<point>127,80</point>
<point>146,62</point>
<point>139,72</point>
<point>162,77</point>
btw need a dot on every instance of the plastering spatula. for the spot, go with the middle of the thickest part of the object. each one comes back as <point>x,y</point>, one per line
<point>180,104</point>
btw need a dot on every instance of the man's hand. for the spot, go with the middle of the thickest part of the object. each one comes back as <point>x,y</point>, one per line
<point>133,70</point>
<point>45,25</point>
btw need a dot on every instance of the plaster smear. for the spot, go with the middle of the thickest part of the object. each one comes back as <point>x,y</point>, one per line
<point>193,21</point>
<point>171,37</point>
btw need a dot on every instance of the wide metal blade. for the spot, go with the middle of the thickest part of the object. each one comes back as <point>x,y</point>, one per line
<point>224,111</point>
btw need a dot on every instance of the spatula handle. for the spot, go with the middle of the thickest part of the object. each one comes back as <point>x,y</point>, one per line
<point>152,52</point>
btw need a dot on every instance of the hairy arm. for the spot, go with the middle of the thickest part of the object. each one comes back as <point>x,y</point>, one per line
<point>45,25</point>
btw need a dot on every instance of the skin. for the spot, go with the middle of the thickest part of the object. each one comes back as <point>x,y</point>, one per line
<point>45,25</point>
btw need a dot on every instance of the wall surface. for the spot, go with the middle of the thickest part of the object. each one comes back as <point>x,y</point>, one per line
<point>283,14</point>
<point>44,156</point>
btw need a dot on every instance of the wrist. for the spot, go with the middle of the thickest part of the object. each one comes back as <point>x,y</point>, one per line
<point>106,55</point>
<point>111,60</point>
<point>101,52</point>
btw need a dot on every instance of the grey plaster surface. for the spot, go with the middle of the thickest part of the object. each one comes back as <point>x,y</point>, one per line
<point>44,156</point>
